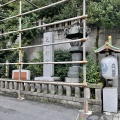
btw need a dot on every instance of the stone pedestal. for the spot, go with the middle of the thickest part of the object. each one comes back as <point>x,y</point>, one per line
<point>74,71</point>
<point>110,99</point>
<point>47,78</point>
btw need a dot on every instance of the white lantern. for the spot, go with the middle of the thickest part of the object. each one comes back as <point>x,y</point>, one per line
<point>109,67</point>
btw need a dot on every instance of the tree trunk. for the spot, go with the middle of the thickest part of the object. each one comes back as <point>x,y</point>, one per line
<point>96,43</point>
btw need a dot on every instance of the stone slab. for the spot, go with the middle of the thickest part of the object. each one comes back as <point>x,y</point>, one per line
<point>47,78</point>
<point>110,99</point>
<point>72,80</point>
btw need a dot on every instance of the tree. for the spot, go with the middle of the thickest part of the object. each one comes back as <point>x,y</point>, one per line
<point>103,14</point>
<point>11,25</point>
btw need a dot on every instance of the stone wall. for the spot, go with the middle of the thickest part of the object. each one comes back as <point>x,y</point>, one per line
<point>58,36</point>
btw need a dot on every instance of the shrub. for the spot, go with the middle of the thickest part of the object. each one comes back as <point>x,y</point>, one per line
<point>61,70</point>
<point>92,70</point>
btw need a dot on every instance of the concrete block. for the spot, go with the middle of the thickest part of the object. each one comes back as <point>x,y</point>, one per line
<point>98,94</point>
<point>110,99</point>
<point>88,93</point>
<point>45,88</point>
<point>60,90</point>
<point>52,89</point>
<point>77,92</point>
<point>68,91</point>
<point>39,87</point>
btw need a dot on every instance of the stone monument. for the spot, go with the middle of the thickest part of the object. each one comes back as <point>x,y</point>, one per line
<point>48,69</point>
<point>48,56</point>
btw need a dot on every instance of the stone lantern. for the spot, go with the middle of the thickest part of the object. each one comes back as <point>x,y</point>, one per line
<point>73,33</point>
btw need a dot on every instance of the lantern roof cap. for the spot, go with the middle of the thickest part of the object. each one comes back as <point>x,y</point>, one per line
<point>107,47</point>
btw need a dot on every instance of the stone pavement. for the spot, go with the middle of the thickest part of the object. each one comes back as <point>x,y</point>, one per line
<point>112,116</point>
<point>13,109</point>
<point>98,116</point>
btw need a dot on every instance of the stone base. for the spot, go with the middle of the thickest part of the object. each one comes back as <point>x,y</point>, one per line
<point>42,78</point>
<point>110,99</point>
<point>74,72</point>
<point>72,80</point>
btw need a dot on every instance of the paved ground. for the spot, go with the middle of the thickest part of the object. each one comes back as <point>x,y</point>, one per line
<point>13,109</point>
<point>113,116</point>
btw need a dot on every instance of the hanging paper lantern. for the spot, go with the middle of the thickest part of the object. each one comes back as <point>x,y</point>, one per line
<point>109,67</point>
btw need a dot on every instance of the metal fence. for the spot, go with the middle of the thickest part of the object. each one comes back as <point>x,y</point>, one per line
<point>20,30</point>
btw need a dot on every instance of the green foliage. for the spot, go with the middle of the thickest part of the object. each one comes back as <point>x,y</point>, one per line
<point>62,69</point>
<point>68,9</point>
<point>11,25</point>
<point>92,70</point>
<point>36,70</point>
<point>104,13</point>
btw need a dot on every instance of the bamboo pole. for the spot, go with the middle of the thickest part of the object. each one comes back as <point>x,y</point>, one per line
<point>8,3</point>
<point>35,63</point>
<point>42,45</point>
<point>20,37</point>
<point>46,25</point>
<point>9,18</point>
<point>35,10</point>
<point>84,57</point>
